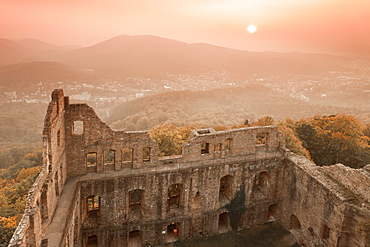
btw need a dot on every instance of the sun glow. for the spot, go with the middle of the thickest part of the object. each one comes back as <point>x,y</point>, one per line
<point>251,28</point>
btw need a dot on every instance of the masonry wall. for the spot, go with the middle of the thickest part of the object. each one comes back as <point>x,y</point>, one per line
<point>319,210</point>
<point>43,196</point>
<point>197,213</point>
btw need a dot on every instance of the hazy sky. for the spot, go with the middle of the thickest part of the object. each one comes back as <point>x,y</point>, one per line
<point>282,25</point>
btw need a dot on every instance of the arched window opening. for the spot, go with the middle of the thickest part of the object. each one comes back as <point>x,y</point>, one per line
<point>226,191</point>
<point>325,231</point>
<point>294,223</point>
<point>58,138</point>
<point>260,186</point>
<point>197,201</point>
<point>272,212</point>
<point>173,232</point>
<point>44,205</point>
<point>56,179</point>
<point>224,222</point>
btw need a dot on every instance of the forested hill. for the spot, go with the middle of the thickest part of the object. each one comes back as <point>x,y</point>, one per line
<point>211,108</point>
<point>147,55</point>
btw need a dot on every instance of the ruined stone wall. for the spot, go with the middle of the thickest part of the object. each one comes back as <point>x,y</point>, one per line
<point>320,210</point>
<point>199,207</point>
<point>43,196</point>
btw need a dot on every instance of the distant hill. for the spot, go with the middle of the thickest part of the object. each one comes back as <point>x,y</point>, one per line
<point>11,52</point>
<point>30,50</point>
<point>211,108</point>
<point>23,77</point>
<point>150,55</point>
<point>39,45</point>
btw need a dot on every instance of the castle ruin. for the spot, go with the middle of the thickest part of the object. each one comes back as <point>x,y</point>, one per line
<point>101,187</point>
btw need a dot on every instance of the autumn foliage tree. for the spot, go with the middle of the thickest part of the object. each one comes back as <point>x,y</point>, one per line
<point>15,182</point>
<point>335,139</point>
<point>170,138</point>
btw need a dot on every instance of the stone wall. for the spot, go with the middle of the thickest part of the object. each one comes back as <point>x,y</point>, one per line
<point>101,187</point>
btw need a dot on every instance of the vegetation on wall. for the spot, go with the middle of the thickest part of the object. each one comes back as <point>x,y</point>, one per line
<point>236,207</point>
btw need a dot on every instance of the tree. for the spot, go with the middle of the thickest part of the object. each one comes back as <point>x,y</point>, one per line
<point>265,121</point>
<point>170,138</point>
<point>293,143</point>
<point>335,139</point>
<point>7,227</point>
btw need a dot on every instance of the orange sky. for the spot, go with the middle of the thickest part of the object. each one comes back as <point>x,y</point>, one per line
<point>333,26</point>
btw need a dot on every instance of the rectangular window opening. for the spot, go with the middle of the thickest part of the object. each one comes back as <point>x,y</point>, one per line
<point>127,154</point>
<point>78,128</point>
<point>109,156</point>
<point>135,198</point>
<point>146,154</point>
<point>91,159</point>
<point>58,138</point>
<point>204,148</point>
<point>93,203</point>
<point>261,138</point>
<point>228,145</point>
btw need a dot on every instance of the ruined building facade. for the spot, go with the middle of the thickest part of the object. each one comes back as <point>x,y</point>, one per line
<point>101,187</point>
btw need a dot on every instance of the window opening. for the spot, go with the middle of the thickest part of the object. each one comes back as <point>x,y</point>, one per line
<point>294,222</point>
<point>218,147</point>
<point>135,197</point>
<point>225,192</point>
<point>223,222</point>
<point>109,156</point>
<point>92,241</point>
<point>261,138</point>
<point>196,202</point>
<point>228,145</point>
<point>56,179</point>
<point>44,205</point>
<point>272,211</point>
<point>174,192</point>
<point>58,138</point>
<point>135,239</point>
<point>127,154</point>
<point>262,179</point>
<point>204,149</point>
<point>93,203</point>
<point>325,231</point>
<point>146,154</point>
<point>45,243</point>
<point>91,159</point>
<point>172,232</point>
<point>78,128</point>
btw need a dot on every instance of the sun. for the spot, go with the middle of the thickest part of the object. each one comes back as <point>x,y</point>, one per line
<point>252,28</point>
